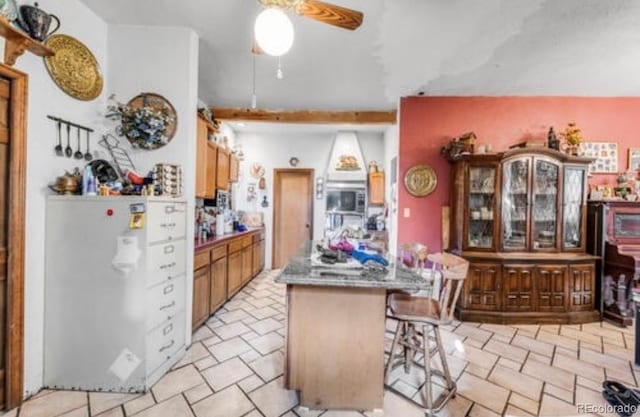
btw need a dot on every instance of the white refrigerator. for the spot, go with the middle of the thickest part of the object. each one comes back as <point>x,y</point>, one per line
<point>114,291</point>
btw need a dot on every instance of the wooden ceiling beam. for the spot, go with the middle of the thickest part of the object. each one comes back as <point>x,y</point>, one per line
<point>304,116</point>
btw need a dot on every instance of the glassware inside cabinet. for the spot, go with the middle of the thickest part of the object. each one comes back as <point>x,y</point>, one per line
<point>545,204</point>
<point>480,206</point>
<point>573,202</point>
<point>515,176</point>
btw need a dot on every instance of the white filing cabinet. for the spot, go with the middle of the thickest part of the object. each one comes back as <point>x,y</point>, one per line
<point>114,291</point>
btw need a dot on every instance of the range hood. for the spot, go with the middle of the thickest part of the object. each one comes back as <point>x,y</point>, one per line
<point>346,163</point>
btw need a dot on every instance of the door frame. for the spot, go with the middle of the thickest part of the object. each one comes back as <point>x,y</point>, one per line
<point>276,202</point>
<point>14,377</point>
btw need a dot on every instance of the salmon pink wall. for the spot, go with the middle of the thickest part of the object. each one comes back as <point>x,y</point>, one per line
<point>428,123</point>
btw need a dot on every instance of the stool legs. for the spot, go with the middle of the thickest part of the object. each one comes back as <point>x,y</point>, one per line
<point>394,346</point>
<point>427,367</point>
<point>443,359</point>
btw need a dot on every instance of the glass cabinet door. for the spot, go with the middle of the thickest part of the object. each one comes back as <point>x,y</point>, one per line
<point>545,204</point>
<point>515,192</point>
<point>573,202</point>
<point>482,188</point>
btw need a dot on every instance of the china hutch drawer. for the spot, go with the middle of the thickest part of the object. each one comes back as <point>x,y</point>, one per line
<point>170,221</point>
<point>165,261</point>
<point>164,341</point>
<point>165,301</point>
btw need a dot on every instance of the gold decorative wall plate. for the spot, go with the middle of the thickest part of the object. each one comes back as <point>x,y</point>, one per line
<point>420,180</point>
<point>74,68</point>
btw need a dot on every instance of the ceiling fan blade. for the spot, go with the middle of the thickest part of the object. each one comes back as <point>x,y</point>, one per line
<point>331,14</point>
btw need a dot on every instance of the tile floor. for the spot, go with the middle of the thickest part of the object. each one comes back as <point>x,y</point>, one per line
<point>234,369</point>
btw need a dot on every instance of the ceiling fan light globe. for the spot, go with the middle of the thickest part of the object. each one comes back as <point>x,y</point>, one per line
<point>274,32</point>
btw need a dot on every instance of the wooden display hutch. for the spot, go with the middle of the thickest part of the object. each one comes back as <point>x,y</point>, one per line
<point>519,218</point>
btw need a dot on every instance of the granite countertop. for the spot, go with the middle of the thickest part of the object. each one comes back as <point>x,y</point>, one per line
<point>300,271</point>
<point>201,244</point>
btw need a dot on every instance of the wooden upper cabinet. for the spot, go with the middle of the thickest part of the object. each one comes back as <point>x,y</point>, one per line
<point>222,178</point>
<point>201,159</point>
<point>234,168</point>
<point>212,163</point>
<point>376,188</point>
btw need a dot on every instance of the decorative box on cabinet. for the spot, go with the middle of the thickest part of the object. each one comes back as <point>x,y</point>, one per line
<point>376,188</point>
<point>519,218</point>
<point>115,293</point>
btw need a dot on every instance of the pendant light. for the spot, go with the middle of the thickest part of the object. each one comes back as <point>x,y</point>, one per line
<point>274,31</point>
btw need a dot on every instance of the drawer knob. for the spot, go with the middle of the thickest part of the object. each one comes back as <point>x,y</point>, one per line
<point>169,249</point>
<point>167,329</point>
<point>171,304</point>
<point>168,289</point>
<point>165,347</point>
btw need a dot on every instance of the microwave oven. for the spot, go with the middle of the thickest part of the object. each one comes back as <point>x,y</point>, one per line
<point>346,200</point>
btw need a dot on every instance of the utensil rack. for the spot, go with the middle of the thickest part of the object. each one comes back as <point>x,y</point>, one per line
<point>67,122</point>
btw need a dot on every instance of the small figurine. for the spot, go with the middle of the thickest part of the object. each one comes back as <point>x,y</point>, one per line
<point>264,203</point>
<point>552,141</point>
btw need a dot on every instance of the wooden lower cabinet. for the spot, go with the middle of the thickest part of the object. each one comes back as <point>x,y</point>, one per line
<point>222,270</point>
<point>200,308</point>
<point>540,292</point>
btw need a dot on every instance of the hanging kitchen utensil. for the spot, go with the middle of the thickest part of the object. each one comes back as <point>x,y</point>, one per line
<point>68,151</point>
<point>87,155</point>
<point>120,157</point>
<point>78,153</point>
<point>58,148</point>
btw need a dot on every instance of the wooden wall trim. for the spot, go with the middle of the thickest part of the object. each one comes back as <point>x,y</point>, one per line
<point>304,116</point>
<point>16,225</point>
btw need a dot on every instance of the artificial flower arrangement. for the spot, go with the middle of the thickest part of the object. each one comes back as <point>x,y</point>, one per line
<point>149,125</point>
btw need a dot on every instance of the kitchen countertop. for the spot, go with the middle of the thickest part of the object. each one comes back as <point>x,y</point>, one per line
<point>299,271</point>
<point>201,244</point>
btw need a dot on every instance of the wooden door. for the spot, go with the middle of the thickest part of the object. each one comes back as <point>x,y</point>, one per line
<point>222,171</point>
<point>200,308</point>
<point>201,159</point>
<point>582,281</point>
<point>482,287</point>
<point>552,292</point>
<point>292,212</point>
<point>218,284</point>
<point>234,272</point>
<point>212,163</point>
<point>518,287</point>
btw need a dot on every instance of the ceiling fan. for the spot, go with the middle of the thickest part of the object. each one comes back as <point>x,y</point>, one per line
<point>320,11</point>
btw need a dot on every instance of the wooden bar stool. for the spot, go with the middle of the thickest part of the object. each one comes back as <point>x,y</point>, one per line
<point>418,317</point>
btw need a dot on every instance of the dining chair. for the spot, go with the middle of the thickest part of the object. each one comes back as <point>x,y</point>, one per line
<point>418,325</point>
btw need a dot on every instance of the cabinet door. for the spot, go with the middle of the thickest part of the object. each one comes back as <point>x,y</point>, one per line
<point>517,281</point>
<point>255,259</point>
<point>261,255</point>
<point>482,287</point>
<point>582,282</point>
<point>218,293</point>
<point>234,272</point>
<point>376,188</point>
<point>573,208</point>
<point>200,308</point>
<point>515,203</point>
<point>247,267</point>
<point>201,159</point>
<point>222,176</point>
<point>212,162</point>
<point>545,209</point>
<point>480,207</point>
<point>234,168</point>
<point>551,283</point>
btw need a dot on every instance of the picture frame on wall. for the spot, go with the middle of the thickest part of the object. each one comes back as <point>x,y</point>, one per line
<point>634,159</point>
<point>605,154</point>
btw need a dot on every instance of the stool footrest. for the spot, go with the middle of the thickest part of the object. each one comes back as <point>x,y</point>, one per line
<point>438,403</point>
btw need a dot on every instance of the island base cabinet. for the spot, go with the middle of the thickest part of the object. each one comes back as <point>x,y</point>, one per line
<point>334,352</point>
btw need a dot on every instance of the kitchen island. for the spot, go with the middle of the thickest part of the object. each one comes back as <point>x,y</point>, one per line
<point>334,351</point>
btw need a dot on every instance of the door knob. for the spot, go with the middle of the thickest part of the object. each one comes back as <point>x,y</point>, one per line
<point>306,225</point>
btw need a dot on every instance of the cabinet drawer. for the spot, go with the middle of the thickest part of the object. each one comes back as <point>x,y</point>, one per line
<point>235,245</point>
<point>218,252</point>
<point>201,259</point>
<point>257,237</point>
<point>164,301</point>
<point>165,261</point>
<point>246,241</point>
<point>164,341</point>
<point>167,221</point>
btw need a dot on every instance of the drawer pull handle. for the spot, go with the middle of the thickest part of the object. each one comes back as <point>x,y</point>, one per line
<point>168,289</point>
<point>165,347</point>
<point>165,266</point>
<point>169,209</point>
<point>168,225</point>
<point>169,249</point>
<point>171,304</point>
<point>167,329</point>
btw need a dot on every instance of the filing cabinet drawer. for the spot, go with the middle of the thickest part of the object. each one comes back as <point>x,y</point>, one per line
<point>164,341</point>
<point>201,259</point>
<point>165,261</point>
<point>218,252</point>
<point>246,241</point>
<point>235,245</point>
<point>165,301</point>
<point>167,221</point>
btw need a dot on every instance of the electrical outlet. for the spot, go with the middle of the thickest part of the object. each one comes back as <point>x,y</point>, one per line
<point>407,212</point>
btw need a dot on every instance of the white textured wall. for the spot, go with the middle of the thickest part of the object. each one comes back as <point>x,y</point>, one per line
<point>391,148</point>
<point>274,149</point>
<point>43,165</point>
<point>164,61</point>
